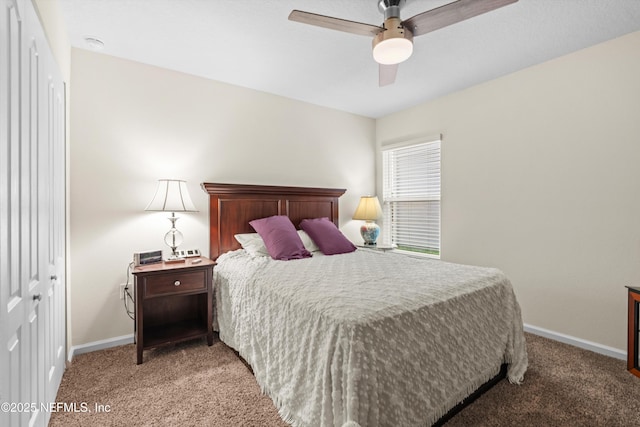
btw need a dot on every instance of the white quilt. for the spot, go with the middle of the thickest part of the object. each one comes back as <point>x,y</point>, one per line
<point>368,338</point>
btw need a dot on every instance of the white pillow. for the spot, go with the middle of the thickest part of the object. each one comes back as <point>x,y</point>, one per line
<point>308,243</point>
<point>254,245</point>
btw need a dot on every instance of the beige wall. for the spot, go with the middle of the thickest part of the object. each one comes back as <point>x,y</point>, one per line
<point>53,22</point>
<point>133,124</point>
<point>541,178</point>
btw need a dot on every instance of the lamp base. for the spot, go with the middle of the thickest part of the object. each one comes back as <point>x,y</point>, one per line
<point>173,238</point>
<point>370,232</point>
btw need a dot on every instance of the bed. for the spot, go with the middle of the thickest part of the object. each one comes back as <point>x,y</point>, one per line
<point>365,338</point>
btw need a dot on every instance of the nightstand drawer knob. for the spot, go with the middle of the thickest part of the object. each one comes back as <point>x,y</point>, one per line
<point>176,283</point>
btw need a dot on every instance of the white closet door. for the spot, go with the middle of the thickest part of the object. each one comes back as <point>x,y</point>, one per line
<point>15,347</point>
<point>53,294</point>
<point>32,218</point>
<point>33,210</point>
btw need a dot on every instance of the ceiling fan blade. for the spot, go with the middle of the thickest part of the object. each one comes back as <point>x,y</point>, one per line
<point>451,13</point>
<point>334,23</point>
<point>387,74</point>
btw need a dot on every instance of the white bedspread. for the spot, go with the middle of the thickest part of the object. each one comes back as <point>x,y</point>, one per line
<point>377,339</point>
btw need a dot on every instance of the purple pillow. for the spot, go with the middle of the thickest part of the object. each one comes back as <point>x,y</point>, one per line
<point>280,237</point>
<point>326,235</point>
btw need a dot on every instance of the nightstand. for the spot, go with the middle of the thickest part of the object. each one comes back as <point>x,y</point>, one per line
<point>173,303</point>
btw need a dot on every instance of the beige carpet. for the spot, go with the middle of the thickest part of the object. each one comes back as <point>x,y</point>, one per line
<point>192,384</point>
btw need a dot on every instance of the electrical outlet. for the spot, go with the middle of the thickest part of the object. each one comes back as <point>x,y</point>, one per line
<point>122,286</point>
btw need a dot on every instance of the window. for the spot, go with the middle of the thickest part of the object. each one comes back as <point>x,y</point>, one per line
<point>411,196</point>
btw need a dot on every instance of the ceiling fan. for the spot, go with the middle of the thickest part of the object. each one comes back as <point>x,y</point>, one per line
<point>393,41</point>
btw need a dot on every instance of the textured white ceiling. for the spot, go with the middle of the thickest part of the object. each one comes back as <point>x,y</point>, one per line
<point>251,43</point>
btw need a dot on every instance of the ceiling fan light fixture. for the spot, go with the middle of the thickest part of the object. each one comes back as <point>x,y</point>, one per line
<point>393,45</point>
<point>393,40</point>
<point>392,51</point>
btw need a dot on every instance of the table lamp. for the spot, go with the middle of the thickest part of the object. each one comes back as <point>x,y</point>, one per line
<point>172,196</point>
<point>369,210</point>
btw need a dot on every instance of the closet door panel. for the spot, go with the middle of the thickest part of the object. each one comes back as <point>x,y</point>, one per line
<point>54,195</point>
<point>15,348</point>
<point>33,213</point>
<point>4,214</point>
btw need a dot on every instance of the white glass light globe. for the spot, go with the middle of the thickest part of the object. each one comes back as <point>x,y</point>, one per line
<point>392,51</point>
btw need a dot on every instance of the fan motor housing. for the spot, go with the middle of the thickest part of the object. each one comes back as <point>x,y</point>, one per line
<point>390,8</point>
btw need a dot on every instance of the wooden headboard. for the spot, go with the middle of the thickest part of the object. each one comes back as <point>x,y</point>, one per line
<point>232,206</point>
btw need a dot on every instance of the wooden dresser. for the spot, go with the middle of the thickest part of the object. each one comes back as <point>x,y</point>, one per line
<point>633,330</point>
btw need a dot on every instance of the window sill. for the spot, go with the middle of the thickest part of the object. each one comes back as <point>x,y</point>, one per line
<point>415,254</point>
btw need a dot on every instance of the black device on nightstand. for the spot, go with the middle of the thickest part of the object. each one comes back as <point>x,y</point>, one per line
<point>188,253</point>
<point>147,257</point>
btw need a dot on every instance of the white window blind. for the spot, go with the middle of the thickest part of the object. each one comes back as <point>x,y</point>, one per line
<point>411,197</point>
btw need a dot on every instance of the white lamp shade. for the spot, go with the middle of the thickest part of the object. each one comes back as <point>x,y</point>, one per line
<point>171,196</point>
<point>368,209</point>
<point>392,51</point>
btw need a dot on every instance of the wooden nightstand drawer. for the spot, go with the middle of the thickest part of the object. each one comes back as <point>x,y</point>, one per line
<point>174,283</point>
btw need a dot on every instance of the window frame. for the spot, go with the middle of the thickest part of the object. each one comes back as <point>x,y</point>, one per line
<point>388,237</point>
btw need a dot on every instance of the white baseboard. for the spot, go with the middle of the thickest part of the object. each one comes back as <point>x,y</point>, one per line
<point>577,342</point>
<point>99,345</point>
